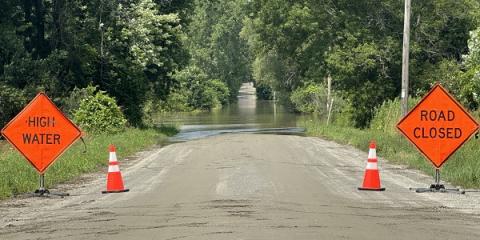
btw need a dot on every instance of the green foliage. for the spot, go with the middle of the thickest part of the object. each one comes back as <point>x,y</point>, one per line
<point>472,59</point>
<point>263,91</point>
<point>203,97</point>
<point>199,91</point>
<point>357,44</point>
<point>177,101</point>
<point>208,94</point>
<point>266,69</point>
<point>221,89</point>
<point>99,113</point>
<point>215,45</point>
<point>468,83</point>
<point>34,75</point>
<point>342,113</point>
<point>135,50</point>
<point>150,109</point>
<point>129,49</point>
<point>71,103</point>
<point>168,130</point>
<point>154,44</point>
<point>463,85</point>
<point>310,99</point>
<point>12,101</point>
<point>388,115</point>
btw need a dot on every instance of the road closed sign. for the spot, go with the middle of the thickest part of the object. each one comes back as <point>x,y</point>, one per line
<point>438,125</point>
<point>41,132</point>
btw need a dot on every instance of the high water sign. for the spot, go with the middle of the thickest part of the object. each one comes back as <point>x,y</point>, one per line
<point>438,125</point>
<point>41,132</point>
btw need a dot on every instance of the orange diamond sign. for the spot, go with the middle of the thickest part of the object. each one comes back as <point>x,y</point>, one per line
<point>438,125</point>
<point>41,132</point>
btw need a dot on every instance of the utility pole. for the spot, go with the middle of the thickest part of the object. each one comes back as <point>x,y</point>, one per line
<point>101,29</point>
<point>405,58</point>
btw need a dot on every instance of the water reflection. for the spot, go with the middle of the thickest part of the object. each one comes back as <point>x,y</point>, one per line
<point>247,115</point>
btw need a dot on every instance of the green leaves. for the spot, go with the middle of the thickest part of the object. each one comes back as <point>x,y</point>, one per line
<point>199,91</point>
<point>12,102</point>
<point>309,99</point>
<point>148,34</point>
<point>357,43</point>
<point>215,44</point>
<point>472,59</point>
<point>129,49</point>
<point>99,113</point>
<point>136,50</point>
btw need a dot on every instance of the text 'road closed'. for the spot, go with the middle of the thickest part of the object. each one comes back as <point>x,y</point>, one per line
<point>437,132</point>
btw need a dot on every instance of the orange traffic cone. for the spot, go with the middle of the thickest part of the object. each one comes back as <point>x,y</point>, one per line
<point>371,181</point>
<point>114,177</point>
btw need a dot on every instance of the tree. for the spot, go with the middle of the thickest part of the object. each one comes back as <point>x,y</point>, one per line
<point>130,49</point>
<point>357,43</point>
<point>215,44</point>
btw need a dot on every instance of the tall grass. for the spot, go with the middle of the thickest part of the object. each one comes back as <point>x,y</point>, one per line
<point>18,176</point>
<point>462,169</point>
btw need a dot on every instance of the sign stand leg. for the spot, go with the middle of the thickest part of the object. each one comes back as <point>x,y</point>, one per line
<point>43,192</point>
<point>437,187</point>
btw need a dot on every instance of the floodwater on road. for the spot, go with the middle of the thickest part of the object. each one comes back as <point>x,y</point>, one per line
<point>247,115</point>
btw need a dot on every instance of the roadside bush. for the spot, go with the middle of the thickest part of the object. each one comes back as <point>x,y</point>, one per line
<point>264,92</point>
<point>100,113</point>
<point>177,101</point>
<point>203,93</point>
<point>388,114</point>
<point>460,81</point>
<point>309,99</point>
<point>71,103</point>
<point>150,109</point>
<point>12,101</point>
<point>221,90</point>
<point>203,96</point>
<point>342,113</point>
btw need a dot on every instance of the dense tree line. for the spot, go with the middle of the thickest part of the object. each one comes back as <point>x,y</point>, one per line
<point>359,45</point>
<point>219,59</point>
<point>130,49</point>
<point>151,55</point>
<point>180,55</point>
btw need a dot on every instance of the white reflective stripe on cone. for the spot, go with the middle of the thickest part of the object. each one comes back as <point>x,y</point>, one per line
<point>113,168</point>
<point>372,153</point>
<point>113,157</point>
<point>372,165</point>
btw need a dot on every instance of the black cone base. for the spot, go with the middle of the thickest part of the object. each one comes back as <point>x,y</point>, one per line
<point>118,191</point>
<point>371,189</point>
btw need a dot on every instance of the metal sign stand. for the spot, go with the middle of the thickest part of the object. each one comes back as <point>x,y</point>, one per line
<point>43,192</point>
<point>437,187</point>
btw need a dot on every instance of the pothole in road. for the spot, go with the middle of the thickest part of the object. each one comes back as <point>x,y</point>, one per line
<point>235,208</point>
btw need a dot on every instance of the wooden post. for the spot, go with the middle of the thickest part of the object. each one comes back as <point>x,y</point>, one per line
<point>329,92</point>
<point>329,112</point>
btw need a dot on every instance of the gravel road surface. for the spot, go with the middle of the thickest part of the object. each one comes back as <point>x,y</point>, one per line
<point>247,186</point>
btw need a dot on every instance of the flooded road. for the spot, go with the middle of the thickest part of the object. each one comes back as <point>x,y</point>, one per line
<point>247,115</point>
